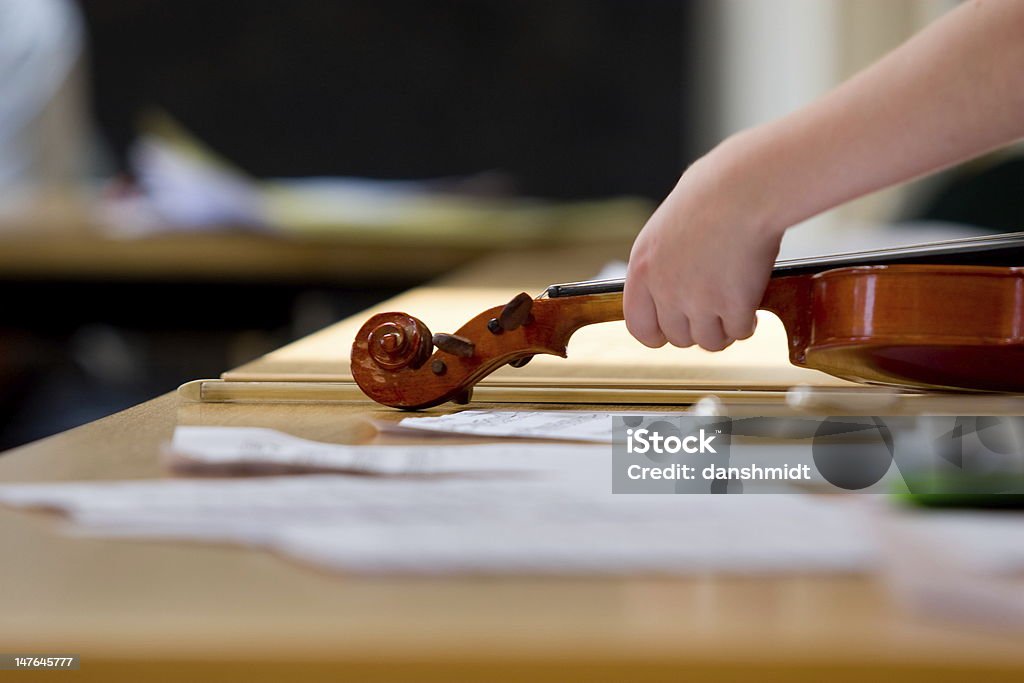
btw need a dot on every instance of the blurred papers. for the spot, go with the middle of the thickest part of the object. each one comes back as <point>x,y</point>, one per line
<point>566,425</point>
<point>520,507</point>
<point>182,186</point>
<point>494,509</point>
<point>259,450</point>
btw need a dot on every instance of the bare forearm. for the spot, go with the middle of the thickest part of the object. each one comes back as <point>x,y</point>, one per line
<point>954,91</point>
<point>699,268</point>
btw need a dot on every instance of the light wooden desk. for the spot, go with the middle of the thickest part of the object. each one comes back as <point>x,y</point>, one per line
<point>217,257</point>
<point>168,611</point>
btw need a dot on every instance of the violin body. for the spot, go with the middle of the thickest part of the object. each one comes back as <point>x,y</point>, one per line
<point>917,326</point>
<point>947,327</point>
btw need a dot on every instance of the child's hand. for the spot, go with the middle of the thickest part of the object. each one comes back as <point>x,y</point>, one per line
<point>700,266</point>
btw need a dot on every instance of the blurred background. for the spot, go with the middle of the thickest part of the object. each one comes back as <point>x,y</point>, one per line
<point>186,185</point>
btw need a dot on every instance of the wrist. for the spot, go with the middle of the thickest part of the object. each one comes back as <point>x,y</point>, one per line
<point>749,172</point>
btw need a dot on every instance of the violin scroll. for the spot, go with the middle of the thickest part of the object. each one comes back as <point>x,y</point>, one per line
<point>398,340</point>
<point>395,363</point>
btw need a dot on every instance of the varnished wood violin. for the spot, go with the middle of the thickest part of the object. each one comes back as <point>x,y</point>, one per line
<point>944,315</point>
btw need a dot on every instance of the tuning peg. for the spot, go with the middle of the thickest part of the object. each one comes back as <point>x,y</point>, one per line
<point>464,397</point>
<point>520,362</point>
<point>516,312</point>
<point>454,344</point>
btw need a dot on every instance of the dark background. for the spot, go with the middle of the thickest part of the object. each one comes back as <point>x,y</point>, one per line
<point>573,98</point>
<point>563,99</point>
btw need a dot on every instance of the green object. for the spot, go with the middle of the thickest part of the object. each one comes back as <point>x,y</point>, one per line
<point>991,491</point>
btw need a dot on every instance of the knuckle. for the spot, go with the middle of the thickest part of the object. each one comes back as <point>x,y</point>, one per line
<point>740,326</point>
<point>677,328</point>
<point>652,342</point>
<point>710,334</point>
<point>726,343</point>
<point>715,345</point>
<point>639,264</point>
<point>646,333</point>
<point>680,341</point>
<point>746,333</point>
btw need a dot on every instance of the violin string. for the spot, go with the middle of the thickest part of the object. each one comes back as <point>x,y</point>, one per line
<point>963,250</point>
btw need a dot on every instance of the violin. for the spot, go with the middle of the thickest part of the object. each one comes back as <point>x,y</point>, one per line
<point>944,315</point>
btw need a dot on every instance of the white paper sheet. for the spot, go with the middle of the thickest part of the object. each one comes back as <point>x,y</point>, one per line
<point>255,448</point>
<point>517,507</point>
<point>565,425</point>
<point>546,526</point>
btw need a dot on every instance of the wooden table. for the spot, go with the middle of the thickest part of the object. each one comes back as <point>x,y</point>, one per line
<point>217,256</point>
<point>67,238</point>
<point>171,611</point>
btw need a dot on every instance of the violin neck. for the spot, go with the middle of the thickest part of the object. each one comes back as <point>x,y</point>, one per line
<point>999,250</point>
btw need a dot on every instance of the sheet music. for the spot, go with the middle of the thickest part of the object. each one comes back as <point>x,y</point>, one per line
<point>514,508</point>
<point>550,512</point>
<point>538,424</point>
<point>254,448</point>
